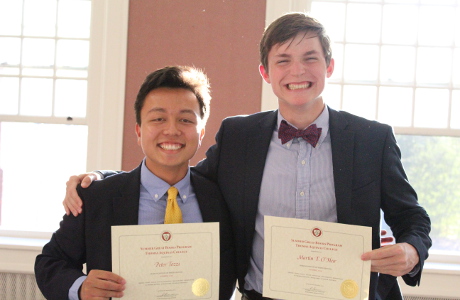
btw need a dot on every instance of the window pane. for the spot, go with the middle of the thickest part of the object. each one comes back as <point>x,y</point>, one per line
<point>363,23</point>
<point>74,18</point>
<point>432,19</point>
<point>433,168</point>
<point>455,116</point>
<point>402,1</point>
<point>439,2</point>
<point>10,50</point>
<point>431,108</point>
<point>332,95</point>
<point>10,23</point>
<point>367,1</point>
<point>397,64</point>
<point>70,98</point>
<point>332,16</point>
<point>434,65</point>
<point>395,106</point>
<point>38,57</point>
<point>360,100</point>
<point>457,25</point>
<point>456,68</point>
<point>40,18</point>
<point>36,97</point>
<point>51,152</point>
<point>399,24</point>
<point>361,62</point>
<point>72,58</point>
<point>9,95</point>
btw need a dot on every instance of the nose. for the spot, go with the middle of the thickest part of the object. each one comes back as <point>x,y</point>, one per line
<point>171,128</point>
<point>297,68</point>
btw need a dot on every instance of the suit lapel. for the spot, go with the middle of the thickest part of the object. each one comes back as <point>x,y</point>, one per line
<point>257,143</point>
<point>126,207</point>
<point>342,141</point>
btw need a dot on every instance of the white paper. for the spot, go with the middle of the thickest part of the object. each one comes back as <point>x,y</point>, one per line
<point>170,261</point>
<point>306,259</point>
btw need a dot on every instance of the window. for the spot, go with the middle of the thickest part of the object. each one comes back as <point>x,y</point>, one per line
<point>61,93</point>
<point>398,62</point>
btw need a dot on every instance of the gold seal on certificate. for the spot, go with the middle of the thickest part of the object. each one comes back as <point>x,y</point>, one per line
<point>159,261</point>
<point>200,287</point>
<point>306,259</point>
<point>349,288</point>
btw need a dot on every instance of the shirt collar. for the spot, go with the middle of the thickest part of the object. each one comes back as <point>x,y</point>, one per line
<point>321,122</point>
<point>157,187</point>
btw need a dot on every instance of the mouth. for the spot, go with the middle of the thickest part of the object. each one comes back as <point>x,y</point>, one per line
<point>171,146</point>
<point>298,86</point>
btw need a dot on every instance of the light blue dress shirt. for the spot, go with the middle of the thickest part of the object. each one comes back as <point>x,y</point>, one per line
<point>304,188</point>
<point>152,206</point>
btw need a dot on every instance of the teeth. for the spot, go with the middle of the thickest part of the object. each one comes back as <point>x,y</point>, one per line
<point>170,146</point>
<point>295,86</point>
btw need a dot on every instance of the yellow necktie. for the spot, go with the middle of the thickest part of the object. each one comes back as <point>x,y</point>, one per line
<point>173,213</point>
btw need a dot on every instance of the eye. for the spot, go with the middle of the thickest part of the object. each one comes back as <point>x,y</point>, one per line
<point>188,121</point>
<point>157,120</point>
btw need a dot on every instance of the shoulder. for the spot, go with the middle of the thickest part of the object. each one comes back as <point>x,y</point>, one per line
<point>339,119</point>
<point>249,119</point>
<point>197,180</point>
<point>113,184</point>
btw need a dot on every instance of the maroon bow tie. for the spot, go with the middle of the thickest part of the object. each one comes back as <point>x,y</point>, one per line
<point>286,133</point>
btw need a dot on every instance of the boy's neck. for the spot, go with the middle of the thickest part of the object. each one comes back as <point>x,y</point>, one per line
<point>302,117</point>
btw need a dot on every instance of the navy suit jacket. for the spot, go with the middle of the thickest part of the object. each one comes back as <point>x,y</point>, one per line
<point>115,201</point>
<point>368,177</point>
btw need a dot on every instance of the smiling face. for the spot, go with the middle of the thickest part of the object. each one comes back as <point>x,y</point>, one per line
<point>297,72</point>
<point>170,132</point>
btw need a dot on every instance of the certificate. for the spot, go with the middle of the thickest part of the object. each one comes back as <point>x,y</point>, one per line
<point>306,259</point>
<point>167,261</point>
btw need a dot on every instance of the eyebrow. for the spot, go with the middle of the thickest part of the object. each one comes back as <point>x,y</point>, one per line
<point>162,110</point>
<point>305,54</point>
<point>310,52</point>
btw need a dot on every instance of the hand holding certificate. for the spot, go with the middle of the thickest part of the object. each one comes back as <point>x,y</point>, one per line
<point>174,261</point>
<point>314,259</point>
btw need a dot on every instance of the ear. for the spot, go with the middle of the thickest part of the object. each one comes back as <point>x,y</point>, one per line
<point>264,74</point>
<point>138,133</point>
<point>201,136</point>
<point>330,68</point>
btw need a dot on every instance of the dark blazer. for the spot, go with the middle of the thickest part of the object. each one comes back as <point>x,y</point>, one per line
<point>115,201</point>
<point>368,176</point>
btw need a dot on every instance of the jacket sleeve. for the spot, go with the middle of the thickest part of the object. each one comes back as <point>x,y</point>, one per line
<point>107,173</point>
<point>62,258</point>
<point>409,221</point>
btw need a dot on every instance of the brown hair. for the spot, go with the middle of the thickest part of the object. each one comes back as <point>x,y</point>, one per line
<point>287,27</point>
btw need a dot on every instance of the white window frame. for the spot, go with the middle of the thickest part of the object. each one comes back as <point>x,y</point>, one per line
<point>105,117</point>
<point>441,273</point>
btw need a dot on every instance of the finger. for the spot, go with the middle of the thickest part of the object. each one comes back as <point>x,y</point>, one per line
<point>380,253</point>
<point>102,284</point>
<point>72,200</point>
<point>67,210</point>
<point>88,179</point>
<point>107,276</point>
<point>383,232</point>
<point>386,240</point>
<point>70,207</point>
<point>90,292</point>
<point>396,260</point>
